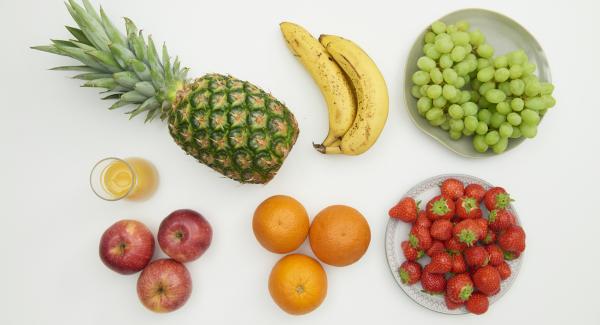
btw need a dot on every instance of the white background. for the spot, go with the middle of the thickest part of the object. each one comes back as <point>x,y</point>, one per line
<point>52,132</point>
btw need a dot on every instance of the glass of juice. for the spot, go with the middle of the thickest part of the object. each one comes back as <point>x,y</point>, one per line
<point>132,179</point>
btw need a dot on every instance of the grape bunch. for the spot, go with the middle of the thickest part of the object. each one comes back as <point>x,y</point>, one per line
<point>463,89</point>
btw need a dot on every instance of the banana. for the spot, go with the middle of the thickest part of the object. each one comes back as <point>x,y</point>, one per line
<point>334,85</point>
<point>371,93</point>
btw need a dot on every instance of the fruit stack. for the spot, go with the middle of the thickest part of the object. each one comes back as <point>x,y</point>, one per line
<point>468,246</point>
<point>164,285</point>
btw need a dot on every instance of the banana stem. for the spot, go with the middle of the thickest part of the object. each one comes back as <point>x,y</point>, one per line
<point>327,149</point>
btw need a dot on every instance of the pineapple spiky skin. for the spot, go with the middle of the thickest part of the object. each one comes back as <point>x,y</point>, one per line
<point>233,127</point>
<point>228,124</point>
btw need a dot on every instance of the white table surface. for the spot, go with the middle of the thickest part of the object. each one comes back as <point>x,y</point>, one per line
<point>53,132</point>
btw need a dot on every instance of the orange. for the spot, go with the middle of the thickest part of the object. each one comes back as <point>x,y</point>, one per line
<point>298,284</point>
<point>339,235</point>
<point>280,224</point>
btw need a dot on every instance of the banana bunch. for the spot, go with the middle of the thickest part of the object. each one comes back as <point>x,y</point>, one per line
<point>352,85</point>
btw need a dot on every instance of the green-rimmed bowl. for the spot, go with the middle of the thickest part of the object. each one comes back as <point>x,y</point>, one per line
<point>505,35</point>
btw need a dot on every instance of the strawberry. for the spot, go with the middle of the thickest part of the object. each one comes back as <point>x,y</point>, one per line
<point>512,239</point>
<point>496,198</point>
<point>509,256</point>
<point>500,219</point>
<point>476,256</point>
<point>440,263</point>
<point>487,280</point>
<point>451,304</point>
<point>475,191</point>
<point>477,304</point>
<point>420,238</point>
<point>410,252</point>
<point>436,247</point>
<point>454,246</point>
<point>433,283</point>
<point>406,210</point>
<point>441,229</point>
<point>458,264</point>
<point>452,188</point>
<point>489,238</point>
<point>504,270</point>
<point>410,272</point>
<point>468,208</point>
<point>467,232</point>
<point>459,288</point>
<point>440,207</point>
<point>482,227</point>
<point>496,254</point>
<point>422,220</point>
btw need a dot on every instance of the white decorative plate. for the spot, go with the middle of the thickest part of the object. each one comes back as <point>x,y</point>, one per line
<point>397,231</point>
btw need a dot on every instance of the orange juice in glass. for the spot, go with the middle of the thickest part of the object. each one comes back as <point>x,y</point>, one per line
<point>132,179</point>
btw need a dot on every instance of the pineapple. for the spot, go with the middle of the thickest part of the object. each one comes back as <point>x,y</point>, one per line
<point>228,124</point>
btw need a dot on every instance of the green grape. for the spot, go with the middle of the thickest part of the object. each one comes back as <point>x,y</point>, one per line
<point>467,132</point>
<point>456,111</point>
<point>505,130</point>
<point>495,96</point>
<point>445,61</point>
<point>463,25</point>
<point>434,113</point>
<point>426,47</point>
<point>530,117</point>
<point>465,96</point>
<point>546,88</point>
<point>483,63</point>
<point>549,101</point>
<point>432,53</point>
<point>514,119</point>
<point>434,91</point>
<point>482,128</point>
<point>486,86</point>
<point>516,71</point>
<point>449,91</point>
<point>471,57</point>
<point>517,87</point>
<point>474,95</point>
<point>450,29</point>
<point>471,123</point>
<point>460,38</point>
<point>528,68</point>
<point>414,91</point>
<point>517,104</point>
<point>533,88</point>
<point>535,103</point>
<point>486,74</point>
<point>424,104</point>
<point>492,137</point>
<point>468,47</point>
<point>456,124</point>
<point>429,37</point>
<point>438,27</point>
<point>497,119</point>
<point>483,103</point>
<point>420,78</point>
<point>426,63</point>
<point>528,130</point>
<point>423,90</point>
<point>485,51</point>
<point>438,121</point>
<point>501,75</point>
<point>459,83</point>
<point>458,54</point>
<point>440,102</point>
<point>436,76</point>
<point>500,62</point>
<point>443,44</point>
<point>469,108</point>
<point>516,133</point>
<point>445,126</point>
<point>462,68</point>
<point>505,88</point>
<point>528,79</point>
<point>479,143</point>
<point>484,115</point>
<point>501,145</point>
<point>503,107</point>
<point>449,75</point>
<point>457,97</point>
<point>455,135</point>
<point>516,58</point>
<point>476,37</point>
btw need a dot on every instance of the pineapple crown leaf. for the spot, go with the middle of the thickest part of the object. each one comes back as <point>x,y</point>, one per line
<point>128,67</point>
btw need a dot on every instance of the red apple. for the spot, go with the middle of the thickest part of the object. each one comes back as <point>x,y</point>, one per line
<point>127,246</point>
<point>164,285</point>
<point>184,235</point>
